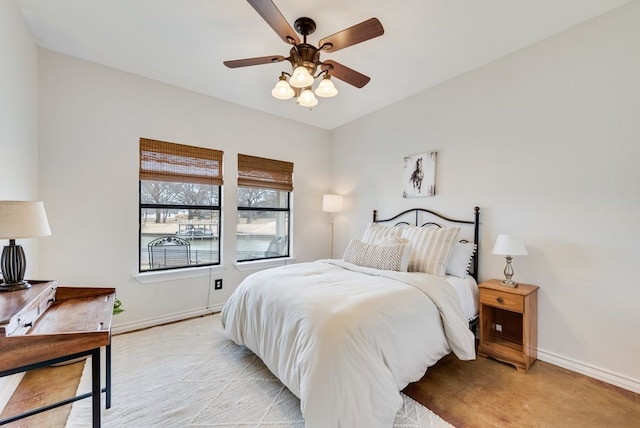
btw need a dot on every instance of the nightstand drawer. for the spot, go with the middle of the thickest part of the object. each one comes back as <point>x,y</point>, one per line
<point>503,300</point>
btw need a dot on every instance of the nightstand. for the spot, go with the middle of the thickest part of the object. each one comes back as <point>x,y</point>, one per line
<point>509,323</point>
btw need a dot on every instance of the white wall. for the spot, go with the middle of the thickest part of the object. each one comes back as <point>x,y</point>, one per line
<point>18,115</point>
<point>91,119</point>
<point>18,131</point>
<point>547,142</point>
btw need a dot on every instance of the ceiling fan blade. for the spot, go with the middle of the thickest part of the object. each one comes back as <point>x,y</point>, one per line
<point>274,18</point>
<point>357,34</point>
<point>345,73</point>
<point>253,61</point>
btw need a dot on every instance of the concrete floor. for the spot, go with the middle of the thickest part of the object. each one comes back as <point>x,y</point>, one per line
<point>488,393</point>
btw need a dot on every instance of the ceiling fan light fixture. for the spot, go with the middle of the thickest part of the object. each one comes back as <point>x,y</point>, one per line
<point>301,78</point>
<point>326,88</point>
<point>305,58</point>
<point>307,99</point>
<point>282,90</point>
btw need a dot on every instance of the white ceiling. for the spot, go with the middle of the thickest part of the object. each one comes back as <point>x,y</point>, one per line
<point>183,43</point>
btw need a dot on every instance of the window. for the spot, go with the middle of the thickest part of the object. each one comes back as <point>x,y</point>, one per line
<point>264,192</point>
<point>180,193</point>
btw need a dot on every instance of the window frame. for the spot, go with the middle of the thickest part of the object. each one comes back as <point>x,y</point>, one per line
<point>167,162</point>
<point>270,174</point>
<point>269,209</point>
<point>178,207</point>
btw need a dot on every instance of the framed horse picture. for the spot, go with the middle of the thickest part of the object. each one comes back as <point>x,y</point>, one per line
<point>419,175</point>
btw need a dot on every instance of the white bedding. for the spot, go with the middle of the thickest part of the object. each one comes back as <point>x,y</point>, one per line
<point>468,294</point>
<point>347,339</point>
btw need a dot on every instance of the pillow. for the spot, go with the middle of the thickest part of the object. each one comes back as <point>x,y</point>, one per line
<point>375,232</point>
<point>430,248</point>
<point>395,240</point>
<point>383,257</point>
<point>460,259</point>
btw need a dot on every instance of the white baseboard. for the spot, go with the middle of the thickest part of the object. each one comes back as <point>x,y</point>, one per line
<point>165,319</point>
<point>607,376</point>
<point>8,386</point>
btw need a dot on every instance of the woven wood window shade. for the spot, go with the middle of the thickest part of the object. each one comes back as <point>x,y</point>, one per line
<point>162,161</point>
<point>265,173</point>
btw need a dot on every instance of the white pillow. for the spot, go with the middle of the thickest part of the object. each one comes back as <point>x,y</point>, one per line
<point>395,240</point>
<point>430,248</point>
<point>383,257</point>
<point>375,232</point>
<point>460,259</point>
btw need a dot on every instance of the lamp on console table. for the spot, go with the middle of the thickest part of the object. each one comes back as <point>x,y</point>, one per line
<point>509,246</point>
<point>19,219</point>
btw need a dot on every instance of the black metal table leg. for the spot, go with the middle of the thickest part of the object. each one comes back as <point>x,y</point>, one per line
<point>95,387</point>
<point>108,376</point>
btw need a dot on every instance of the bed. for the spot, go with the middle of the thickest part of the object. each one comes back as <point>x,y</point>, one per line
<point>346,336</point>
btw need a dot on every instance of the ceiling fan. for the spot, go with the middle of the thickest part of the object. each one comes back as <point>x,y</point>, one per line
<point>305,58</point>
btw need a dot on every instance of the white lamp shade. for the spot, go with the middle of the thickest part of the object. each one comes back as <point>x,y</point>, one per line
<point>332,203</point>
<point>301,78</point>
<point>326,88</point>
<point>307,99</point>
<point>282,90</point>
<point>23,219</point>
<point>508,245</point>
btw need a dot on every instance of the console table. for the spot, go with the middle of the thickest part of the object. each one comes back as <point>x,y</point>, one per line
<point>47,324</point>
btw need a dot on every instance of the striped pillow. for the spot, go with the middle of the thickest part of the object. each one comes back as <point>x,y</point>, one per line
<point>430,248</point>
<point>375,233</point>
<point>383,257</point>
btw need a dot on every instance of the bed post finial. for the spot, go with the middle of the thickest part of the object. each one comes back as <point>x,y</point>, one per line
<point>375,215</point>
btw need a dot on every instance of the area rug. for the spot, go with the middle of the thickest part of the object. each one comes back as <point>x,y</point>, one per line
<point>188,374</point>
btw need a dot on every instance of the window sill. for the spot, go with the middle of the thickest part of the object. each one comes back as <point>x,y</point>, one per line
<point>264,264</point>
<point>170,275</point>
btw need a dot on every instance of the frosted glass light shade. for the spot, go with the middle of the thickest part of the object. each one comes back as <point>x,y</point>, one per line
<point>307,99</point>
<point>326,88</point>
<point>23,219</point>
<point>301,78</point>
<point>282,90</point>
<point>332,203</point>
<point>508,245</point>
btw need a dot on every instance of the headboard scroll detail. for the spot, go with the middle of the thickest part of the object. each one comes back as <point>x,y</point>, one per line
<point>473,270</point>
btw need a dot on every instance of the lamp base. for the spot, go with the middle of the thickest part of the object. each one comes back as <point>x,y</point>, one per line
<point>22,285</point>
<point>509,283</point>
<point>508,274</point>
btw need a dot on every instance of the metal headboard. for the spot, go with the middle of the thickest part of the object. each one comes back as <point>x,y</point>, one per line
<point>473,270</point>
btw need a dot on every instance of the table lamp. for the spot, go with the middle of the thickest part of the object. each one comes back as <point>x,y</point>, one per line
<point>332,204</point>
<point>509,246</point>
<point>19,219</point>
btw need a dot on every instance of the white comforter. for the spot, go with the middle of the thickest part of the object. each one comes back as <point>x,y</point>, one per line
<point>346,339</point>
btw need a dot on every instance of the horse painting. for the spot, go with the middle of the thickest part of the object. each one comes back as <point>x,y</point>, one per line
<point>417,176</point>
<point>420,175</point>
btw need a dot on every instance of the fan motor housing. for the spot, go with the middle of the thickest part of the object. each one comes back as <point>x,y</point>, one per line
<point>306,55</point>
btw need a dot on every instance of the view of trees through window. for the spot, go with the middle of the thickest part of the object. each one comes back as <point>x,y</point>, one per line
<point>263,223</point>
<point>179,224</point>
<point>180,206</point>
